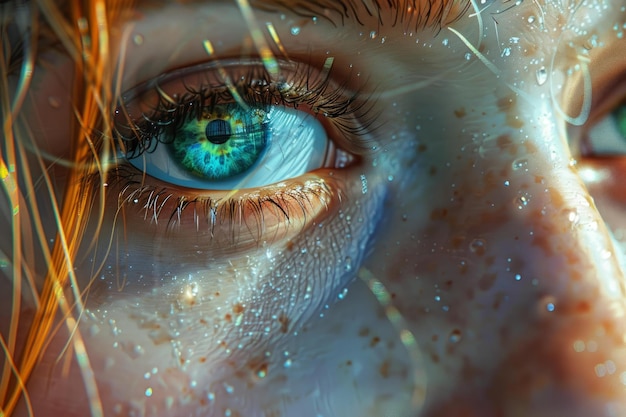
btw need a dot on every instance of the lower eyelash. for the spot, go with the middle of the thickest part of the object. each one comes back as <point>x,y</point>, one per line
<point>285,205</point>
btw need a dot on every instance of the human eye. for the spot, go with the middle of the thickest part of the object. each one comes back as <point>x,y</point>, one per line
<point>209,135</point>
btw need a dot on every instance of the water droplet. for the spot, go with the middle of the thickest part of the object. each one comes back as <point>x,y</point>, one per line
<point>148,392</point>
<point>348,264</point>
<point>518,277</point>
<point>373,34</point>
<point>507,183</point>
<point>468,56</point>
<point>229,388</point>
<point>542,75</point>
<point>343,294</point>
<point>520,164</point>
<point>363,184</point>
<point>295,30</point>
<point>506,52</point>
<point>478,246</point>
<point>390,178</point>
<point>522,201</point>
<point>455,336</point>
<point>531,19</point>
<point>138,40</point>
<point>287,363</point>
<point>445,42</point>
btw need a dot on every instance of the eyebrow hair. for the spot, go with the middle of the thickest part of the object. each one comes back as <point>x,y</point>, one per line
<point>421,14</point>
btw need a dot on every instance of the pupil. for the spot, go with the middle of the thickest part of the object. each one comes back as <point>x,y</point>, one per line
<point>218,131</point>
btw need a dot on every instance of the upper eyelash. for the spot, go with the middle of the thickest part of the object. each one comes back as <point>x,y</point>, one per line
<point>351,112</point>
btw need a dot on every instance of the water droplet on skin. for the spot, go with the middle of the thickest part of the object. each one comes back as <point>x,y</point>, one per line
<point>506,52</point>
<point>519,164</point>
<point>363,184</point>
<point>531,19</point>
<point>445,42</point>
<point>468,56</point>
<point>295,30</point>
<point>522,202</point>
<point>390,178</point>
<point>542,75</point>
<point>478,246</point>
<point>287,363</point>
<point>343,294</point>
<point>373,34</point>
<point>138,40</point>
<point>148,392</point>
<point>455,336</point>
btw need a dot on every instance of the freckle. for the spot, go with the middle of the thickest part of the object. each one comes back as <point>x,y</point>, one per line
<point>435,358</point>
<point>489,261</point>
<point>460,113</point>
<point>539,179</point>
<point>432,171</point>
<point>457,242</point>
<point>448,285</point>
<point>284,323</point>
<point>238,308</point>
<point>487,281</point>
<point>506,103</point>
<point>364,332</point>
<point>384,369</point>
<point>228,317</point>
<point>530,147</point>
<point>583,307</point>
<point>556,197</point>
<point>469,294</point>
<point>289,246</point>
<point>421,148</point>
<point>375,340</point>
<point>202,359</point>
<point>438,214</point>
<point>217,293</point>
<point>498,298</point>
<point>434,337</point>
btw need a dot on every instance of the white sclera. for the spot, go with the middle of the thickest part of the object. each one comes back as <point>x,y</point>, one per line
<point>297,143</point>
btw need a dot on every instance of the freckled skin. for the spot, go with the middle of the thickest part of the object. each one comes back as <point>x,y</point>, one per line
<point>491,250</point>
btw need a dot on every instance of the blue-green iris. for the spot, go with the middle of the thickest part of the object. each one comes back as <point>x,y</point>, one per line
<point>227,140</point>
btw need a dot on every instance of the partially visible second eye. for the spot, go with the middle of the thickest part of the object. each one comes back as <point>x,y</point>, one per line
<point>607,137</point>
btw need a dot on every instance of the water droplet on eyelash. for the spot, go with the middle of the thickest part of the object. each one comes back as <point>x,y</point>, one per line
<point>295,30</point>
<point>373,34</point>
<point>542,75</point>
<point>138,40</point>
<point>54,102</point>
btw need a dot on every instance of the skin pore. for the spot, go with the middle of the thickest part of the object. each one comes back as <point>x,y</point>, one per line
<point>461,254</point>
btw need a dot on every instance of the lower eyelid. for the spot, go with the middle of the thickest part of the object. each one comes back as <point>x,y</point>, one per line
<point>228,218</point>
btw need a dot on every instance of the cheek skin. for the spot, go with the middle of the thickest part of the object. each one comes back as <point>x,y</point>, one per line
<point>170,334</point>
<point>499,259</point>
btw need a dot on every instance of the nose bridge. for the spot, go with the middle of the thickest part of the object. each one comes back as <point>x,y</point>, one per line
<point>543,285</point>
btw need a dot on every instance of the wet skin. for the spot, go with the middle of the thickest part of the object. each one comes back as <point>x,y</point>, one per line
<point>469,208</point>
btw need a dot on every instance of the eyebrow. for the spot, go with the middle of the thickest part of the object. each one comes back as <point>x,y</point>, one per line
<point>419,14</point>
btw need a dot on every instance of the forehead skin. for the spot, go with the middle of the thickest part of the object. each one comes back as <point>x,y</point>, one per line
<point>473,218</point>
